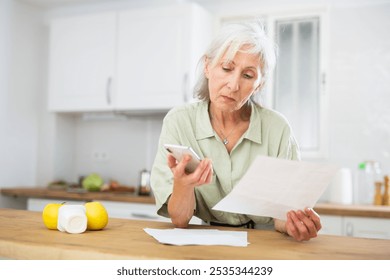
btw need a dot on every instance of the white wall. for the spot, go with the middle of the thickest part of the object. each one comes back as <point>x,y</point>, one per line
<point>21,56</point>
<point>21,88</point>
<point>116,149</point>
<point>359,84</point>
<point>4,65</point>
<point>4,85</point>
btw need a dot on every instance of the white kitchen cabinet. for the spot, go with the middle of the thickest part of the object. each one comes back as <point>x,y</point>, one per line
<point>122,210</point>
<point>38,204</point>
<point>132,211</point>
<point>136,59</point>
<point>355,226</point>
<point>367,227</point>
<point>158,50</point>
<point>331,225</point>
<point>137,211</point>
<point>82,62</point>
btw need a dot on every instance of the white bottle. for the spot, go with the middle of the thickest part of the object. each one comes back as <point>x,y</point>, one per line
<point>341,187</point>
<point>368,173</point>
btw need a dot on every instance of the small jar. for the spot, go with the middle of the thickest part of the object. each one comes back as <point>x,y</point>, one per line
<point>378,198</point>
<point>386,195</point>
<point>144,185</point>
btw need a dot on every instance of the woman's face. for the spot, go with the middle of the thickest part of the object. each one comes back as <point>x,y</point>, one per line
<point>231,83</point>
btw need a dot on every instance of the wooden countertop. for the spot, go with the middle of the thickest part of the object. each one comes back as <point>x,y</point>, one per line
<point>24,236</point>
<point>86,196</point>
<point>370,211</point>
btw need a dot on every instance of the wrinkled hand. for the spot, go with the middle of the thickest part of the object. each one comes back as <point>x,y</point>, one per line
<point>181,204</point>
<point>203,173</point>
<point>303,225</point>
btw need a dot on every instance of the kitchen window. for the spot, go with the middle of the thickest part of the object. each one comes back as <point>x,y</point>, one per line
<point>296,80</point>
<point>297,86</point>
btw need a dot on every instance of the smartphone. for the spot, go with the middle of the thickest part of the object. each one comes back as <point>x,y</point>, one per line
<point>179,151</point>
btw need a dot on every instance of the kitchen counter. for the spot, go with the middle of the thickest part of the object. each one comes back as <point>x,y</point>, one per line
<point>24,236</point>
<point>76,195</point>
<point>370,211</point>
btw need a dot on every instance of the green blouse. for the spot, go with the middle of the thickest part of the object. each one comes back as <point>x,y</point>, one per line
<point>269,134</point>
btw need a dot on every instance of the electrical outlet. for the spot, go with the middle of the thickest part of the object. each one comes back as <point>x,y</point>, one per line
<point>99,156</point>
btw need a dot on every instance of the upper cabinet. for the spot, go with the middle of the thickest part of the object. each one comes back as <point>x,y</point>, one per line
<point>82,62</point>
<point>143,59</point>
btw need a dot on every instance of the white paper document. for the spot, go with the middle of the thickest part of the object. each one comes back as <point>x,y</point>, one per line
<point>180,236</point>
<point>271,187</point>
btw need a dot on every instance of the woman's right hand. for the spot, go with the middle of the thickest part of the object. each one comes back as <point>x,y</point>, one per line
<point>203,173</point>
<point>181,204</point>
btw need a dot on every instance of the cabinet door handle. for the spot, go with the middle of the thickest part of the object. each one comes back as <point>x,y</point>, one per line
<point>185,87</point>
<point>349,229</point>
<point>143,216</point>
<point>108,90</point>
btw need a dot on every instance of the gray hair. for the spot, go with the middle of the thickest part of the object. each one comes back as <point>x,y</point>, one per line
<point>229,41</point>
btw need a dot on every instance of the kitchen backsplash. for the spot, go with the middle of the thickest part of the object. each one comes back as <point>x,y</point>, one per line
<point>115,148</point>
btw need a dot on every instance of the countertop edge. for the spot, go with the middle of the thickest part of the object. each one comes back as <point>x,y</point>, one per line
<point>86,196</point>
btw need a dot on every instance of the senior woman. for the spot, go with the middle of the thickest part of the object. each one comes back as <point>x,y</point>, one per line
<point>228,129</point>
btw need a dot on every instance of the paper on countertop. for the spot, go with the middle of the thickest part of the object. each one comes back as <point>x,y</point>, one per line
<point>271,187</point>
<point>180,236</point>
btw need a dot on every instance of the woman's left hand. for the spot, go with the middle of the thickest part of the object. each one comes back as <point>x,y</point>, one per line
<point>303,225</point>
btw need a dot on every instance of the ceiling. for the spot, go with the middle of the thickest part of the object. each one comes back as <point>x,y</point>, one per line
<point>57,3</point>
<point>205,3</point>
